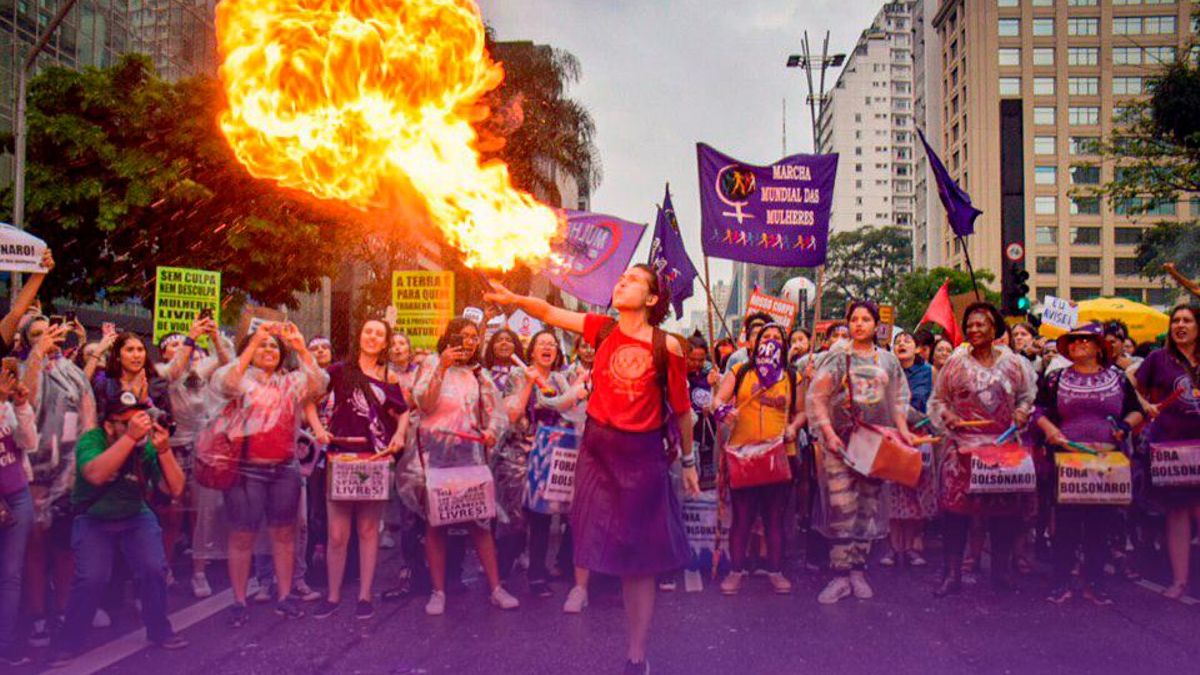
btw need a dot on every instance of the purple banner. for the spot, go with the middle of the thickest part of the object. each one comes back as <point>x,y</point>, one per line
<point>776,215</point>
<point>593,255</point>
<point>668,254</point>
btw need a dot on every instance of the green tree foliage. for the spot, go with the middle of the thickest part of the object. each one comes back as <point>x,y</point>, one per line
<point>917,288</point>
<point>534,127</point>
<point>127,172</point>
<point>1156,157</point>
<point>865,263</point>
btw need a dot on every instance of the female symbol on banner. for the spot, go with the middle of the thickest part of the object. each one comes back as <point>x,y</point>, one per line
<point>734,187</point>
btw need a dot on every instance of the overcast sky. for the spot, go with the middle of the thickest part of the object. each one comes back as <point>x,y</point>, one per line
<point>660,75</point>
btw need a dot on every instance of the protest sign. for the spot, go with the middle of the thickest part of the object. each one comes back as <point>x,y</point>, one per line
<point>700,520</point>
<point>19,250</point>
<point>782,312</point>
<point>1001,470</point>
<point>356,478</point>
<point>774,215</point>
<point>1094,479</point>
<point>253,317</point>
<point>179,295</point>
<point>1060,313</point>
<point>551,471</point>
<point>593,253</point>
<point>1175,464</point>
<point>424,303</point>
<point>524,325</point>
<point>472,314</point>
<point>460,494</point>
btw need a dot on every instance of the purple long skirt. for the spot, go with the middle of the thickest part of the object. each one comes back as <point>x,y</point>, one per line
<point>625,517</point>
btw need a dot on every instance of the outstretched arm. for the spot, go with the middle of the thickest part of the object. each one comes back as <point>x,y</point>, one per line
<point>537,308</point>
<point>1187,284</point>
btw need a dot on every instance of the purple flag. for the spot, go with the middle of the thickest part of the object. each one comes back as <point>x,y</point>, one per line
<point>593,255</point>
<point>668,255</point>
<point>775,215</point>
<point>959,210</point>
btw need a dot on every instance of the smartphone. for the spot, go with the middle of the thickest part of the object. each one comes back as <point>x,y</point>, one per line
<point>108,328</point>
<point>455,341</point>
<point>70,317</point>
<point>56,320</point>
<point>10,364</point>
<point>206,313</point>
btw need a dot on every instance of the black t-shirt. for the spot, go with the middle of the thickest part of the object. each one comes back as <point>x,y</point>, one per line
<point>355,416</point>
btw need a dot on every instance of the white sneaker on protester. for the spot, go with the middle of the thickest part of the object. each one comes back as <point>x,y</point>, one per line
<point>437,604</point>
<point>101,619</point>
<point>779,583</point>
<point>577,600</point>
<point>304,593</point>
<point>503,599</point>
<point>836,590</point>
<point>263,595</point>
<point>200,587</point>
<point>862,590</point>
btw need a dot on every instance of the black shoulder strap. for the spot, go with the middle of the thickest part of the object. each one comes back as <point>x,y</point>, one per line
<point>658,346</point>
<point>605,331</point>
<point>791,376</point>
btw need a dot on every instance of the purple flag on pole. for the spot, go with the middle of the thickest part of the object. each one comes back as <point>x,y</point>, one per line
<point>775,215</point>
<point>593,255</point>
<point>668,255</point>
<point>959,210</point>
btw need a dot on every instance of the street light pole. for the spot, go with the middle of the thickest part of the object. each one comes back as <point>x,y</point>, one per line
<point>19,131</point>
<point>816,109</point>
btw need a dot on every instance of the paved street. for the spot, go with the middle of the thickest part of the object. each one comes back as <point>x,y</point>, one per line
<point>904,630</point>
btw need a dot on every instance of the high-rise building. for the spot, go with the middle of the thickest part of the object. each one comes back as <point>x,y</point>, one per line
<point>928,214</point>
<point>868,120</point>
<point>178,35</point>
<point>1029,88</point>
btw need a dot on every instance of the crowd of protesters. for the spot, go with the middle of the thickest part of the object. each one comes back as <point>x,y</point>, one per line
<point>122,460</point>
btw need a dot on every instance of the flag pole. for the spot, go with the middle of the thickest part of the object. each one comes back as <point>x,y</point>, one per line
<point>712,306</point>
<point>970,268</point>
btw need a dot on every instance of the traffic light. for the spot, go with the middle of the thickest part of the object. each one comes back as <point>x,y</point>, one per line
<point>1016,295</point>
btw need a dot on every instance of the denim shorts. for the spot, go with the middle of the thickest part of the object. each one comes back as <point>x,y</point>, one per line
<point>270,491</point>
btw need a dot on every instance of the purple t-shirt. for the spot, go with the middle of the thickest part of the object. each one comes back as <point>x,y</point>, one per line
<point>1086,401</point>
<point>1159,376</point>
<point>355,417</point>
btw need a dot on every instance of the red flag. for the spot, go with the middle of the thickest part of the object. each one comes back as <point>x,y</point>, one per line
<point>941,312</point>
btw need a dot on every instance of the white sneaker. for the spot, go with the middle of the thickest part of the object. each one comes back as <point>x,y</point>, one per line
<point>577,600</point>
<point>304,593</point>
<point>437,604</point>
<point>101,619</point>
<point>836,590</point>
<point>779,583</point>
<point>732,583</point>
<point>200,587</point>
<point>263,595</point>
<point>503,599</point>
<point>862,590</point>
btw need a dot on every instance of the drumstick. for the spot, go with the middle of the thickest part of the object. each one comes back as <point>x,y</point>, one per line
<point>537,378</point>
<point>973,424</point>
<point>1163,405</point>
<point>460,434</point>
<point>1081,447</point>
<point>921,440</point>
<point>1012,430</point>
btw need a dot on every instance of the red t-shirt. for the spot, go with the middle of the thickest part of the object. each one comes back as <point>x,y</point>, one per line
<point>625,391</point>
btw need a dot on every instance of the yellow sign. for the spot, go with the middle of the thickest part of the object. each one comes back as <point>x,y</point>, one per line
<point>424,303</point>
<point>179,296</point>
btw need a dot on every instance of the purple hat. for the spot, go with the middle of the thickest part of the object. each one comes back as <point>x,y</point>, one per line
<point>1091,331</point>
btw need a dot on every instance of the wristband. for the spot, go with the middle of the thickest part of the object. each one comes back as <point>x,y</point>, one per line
<point>189,342</point>
<point>688,461</point>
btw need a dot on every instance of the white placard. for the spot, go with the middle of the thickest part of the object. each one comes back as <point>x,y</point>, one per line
<point>1175,464</point>
<point>524,325</point>
<point>1002,479</point>
<point>460,495</point>
<point>561,486</point>
<point>352,479</point>
<point>20,251</point>
<point>473,314</point>
<point>1060,313</point>
<point>1094,479</point>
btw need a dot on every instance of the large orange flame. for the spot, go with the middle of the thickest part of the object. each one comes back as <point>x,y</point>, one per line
<point>370,102</point>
